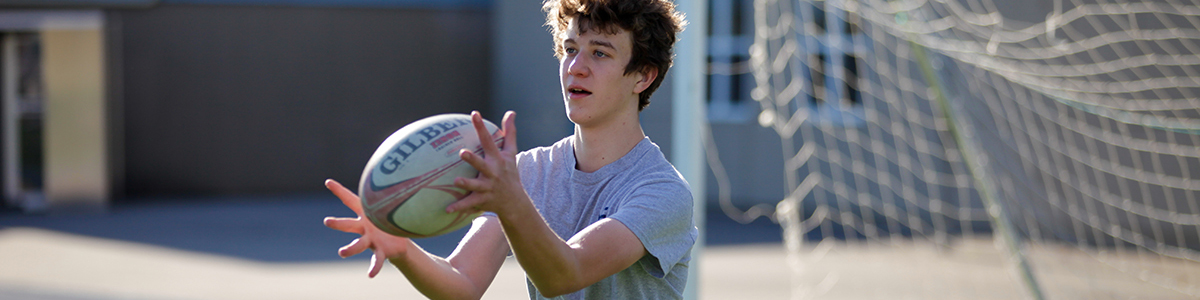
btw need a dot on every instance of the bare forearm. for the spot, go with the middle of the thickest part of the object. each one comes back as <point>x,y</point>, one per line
<point>467,273</point>
<point>549,262</point>
<point>435,277</point>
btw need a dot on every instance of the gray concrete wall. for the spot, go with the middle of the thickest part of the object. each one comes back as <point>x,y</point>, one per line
<point>224,99</point>
<point>525,74</point>
<point>254,99</point>
<point>753,159</point>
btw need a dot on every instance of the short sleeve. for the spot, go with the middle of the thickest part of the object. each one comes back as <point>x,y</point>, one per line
<point>659,213</point>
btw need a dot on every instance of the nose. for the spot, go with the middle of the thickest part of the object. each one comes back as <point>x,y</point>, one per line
<point>578,66</point>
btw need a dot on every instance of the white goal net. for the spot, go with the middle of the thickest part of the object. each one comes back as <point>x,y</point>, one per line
<point>932,144</point>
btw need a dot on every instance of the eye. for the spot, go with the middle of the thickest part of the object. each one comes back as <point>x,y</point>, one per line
<point>601,54</point>
<point>570,50</point>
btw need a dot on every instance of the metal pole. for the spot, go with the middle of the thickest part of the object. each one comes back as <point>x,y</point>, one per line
<point>688,120</point>
<point>977,165</point>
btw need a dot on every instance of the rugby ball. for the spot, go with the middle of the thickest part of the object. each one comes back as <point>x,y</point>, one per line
<point>409,181</point>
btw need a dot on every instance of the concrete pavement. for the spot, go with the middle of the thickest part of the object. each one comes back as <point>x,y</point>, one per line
<point>276,248</point>
<point>263,248</point>
<point>43,264</point>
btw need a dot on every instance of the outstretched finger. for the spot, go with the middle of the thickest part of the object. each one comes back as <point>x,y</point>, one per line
<point>348,197</point>
<point>351,225</point>
<point>355,247</point>
<point>376,265</point>
<point>489,149</point>
<point>510,131</point>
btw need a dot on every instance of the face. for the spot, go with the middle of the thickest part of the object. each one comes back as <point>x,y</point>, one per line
<point>592,72</point>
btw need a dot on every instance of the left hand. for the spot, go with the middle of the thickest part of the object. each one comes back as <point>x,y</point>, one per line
<point>499,181</point>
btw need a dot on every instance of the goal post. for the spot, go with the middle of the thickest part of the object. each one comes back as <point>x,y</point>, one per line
<point>1006,236</point>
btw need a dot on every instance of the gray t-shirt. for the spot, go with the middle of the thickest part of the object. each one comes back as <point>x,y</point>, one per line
<point>641,190</point>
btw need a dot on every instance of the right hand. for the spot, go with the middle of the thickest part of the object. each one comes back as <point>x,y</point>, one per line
<point>383,245</point>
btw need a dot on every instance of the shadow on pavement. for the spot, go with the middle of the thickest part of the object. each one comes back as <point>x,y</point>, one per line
<point>279,228</point>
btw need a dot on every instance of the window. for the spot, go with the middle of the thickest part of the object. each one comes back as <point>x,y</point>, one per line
<point>730,33</point>
<point>833,59</point>
<point>834,56</point>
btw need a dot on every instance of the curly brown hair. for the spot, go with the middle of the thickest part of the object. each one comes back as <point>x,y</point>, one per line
<point>652,24</point>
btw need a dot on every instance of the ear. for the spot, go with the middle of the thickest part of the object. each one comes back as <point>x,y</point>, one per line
<point>647,77</point>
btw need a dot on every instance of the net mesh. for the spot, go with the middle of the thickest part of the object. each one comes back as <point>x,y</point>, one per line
<point>1067,133</point>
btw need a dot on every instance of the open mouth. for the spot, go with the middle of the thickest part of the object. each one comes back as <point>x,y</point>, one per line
<point>578,92</point>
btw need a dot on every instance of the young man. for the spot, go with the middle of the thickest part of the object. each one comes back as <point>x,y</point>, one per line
<point>600,214</point>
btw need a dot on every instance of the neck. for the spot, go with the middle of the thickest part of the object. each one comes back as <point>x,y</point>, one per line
<point>597,146</point>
